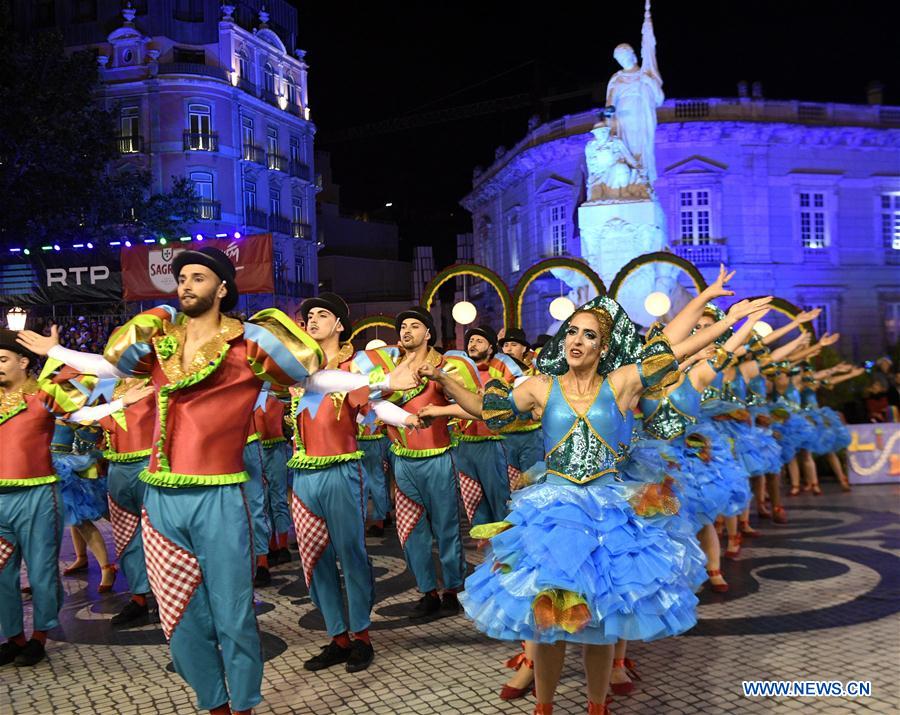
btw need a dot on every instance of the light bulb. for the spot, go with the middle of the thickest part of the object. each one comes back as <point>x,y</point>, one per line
<point>464,312</point>
<point>561,308</point>
<point>657,304</point>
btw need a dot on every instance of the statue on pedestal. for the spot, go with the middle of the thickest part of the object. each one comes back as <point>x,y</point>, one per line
<point>635,92</point>
<point>614,174</point>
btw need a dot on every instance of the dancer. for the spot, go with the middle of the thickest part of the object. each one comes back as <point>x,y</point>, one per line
<point>373,441</point>
<point>268,418</point>
<point>328,502</point>
<point>552,574</point>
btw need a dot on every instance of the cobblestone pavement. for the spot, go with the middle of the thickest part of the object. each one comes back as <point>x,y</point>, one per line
<point>817,599</point>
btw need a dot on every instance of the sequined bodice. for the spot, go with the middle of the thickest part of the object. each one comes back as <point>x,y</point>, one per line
<point>714,391</point>
<point>666,417</point>
<point>736,390</point>
<point>756,390</point>
<point>581,448</point>
<point>790,398</point>
<point>808,398</point>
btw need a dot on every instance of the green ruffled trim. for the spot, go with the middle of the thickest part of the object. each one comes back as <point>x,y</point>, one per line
<point>171,479</point>
<point>417,453</point>
<point>302,460</point>
<point>13,412</point>
<point>272,442</point>
<point>162,406</point>
<point>369,437</point>
<point>479,438</point>
<point>111,456</point>
<point>253,438</point>
<point>28,482</point>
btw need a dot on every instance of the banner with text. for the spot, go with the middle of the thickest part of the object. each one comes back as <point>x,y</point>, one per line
<point>873,456</point>
<point>147,269</point>
<point>61,278</point>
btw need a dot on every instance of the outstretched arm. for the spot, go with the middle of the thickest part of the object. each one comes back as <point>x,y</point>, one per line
<point>704,337</point>
<point>681,325</point>
<point>48,345</point>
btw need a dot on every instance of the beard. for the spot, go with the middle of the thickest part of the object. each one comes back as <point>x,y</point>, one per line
<point>479,356</point>
<point>200,305</point>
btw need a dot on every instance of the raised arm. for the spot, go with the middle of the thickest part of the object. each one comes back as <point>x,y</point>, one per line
<point>798,343</point>
<point>704,337</point>
<point>804,317</point>
<point>48,346</point>
<point>681,325</point>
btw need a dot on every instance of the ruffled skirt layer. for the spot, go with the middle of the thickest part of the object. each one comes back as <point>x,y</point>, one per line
<point>83,499</point>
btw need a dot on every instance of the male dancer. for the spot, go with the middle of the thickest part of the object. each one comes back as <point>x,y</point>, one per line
<point>522,440</point>
<point>329,496</point>
<point>373,441</point>
<point>30,504</point>
<point>197,531</point>
<point>427,494</point>
<point>269,422</point>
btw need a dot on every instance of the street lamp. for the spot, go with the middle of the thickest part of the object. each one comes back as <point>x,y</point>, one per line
<point>561,308</point>
<point>15,318</point>
<point>464,312</point>
<point>375,344</point>
<point>763,328</point>
<point>657,304</point>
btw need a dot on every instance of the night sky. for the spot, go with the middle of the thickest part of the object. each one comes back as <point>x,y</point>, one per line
<point>375,61</point>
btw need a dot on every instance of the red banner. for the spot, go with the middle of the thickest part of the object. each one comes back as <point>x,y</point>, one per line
<point>147,269</point>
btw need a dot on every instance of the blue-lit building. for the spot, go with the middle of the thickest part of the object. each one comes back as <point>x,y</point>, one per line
<point>213,92</point>
<point>802,199</point>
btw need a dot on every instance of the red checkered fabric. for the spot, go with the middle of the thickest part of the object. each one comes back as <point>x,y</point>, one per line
<point>408,514</point>
<point>124,524</point>
<point>174,574</point>
<point>7,549</point>
<point>312,536</point>
<point>472,494</point>
<point>515,477</point>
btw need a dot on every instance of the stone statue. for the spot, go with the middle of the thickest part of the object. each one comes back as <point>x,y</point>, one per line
<point>613,172</point>
<point>635,92</point>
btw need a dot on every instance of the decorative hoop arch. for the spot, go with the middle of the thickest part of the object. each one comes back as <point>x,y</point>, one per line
<point>791,311</point>
<point>657,257</point>
<point>371,321</point>
<point>545,266</point>
<point>470,269</point>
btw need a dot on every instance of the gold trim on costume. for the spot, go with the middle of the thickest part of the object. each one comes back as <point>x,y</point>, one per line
<point>229,329</point>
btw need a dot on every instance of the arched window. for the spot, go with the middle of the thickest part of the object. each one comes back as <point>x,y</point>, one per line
<point>244,67</point>
<point>203,184</point>
<point>269,79</point>
<point>291,90</point>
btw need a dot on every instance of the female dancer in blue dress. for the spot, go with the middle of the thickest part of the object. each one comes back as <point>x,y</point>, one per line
<point>579,558</point>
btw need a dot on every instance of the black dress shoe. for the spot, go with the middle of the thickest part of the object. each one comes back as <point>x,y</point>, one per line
<point>449,603</point>
<point>9,651</point>
<point>375,530</point>
<point>263,577</point>
<point>331,654</point>
<point>425,607</point>
<point>361,656</point>
<point>131,614</point>
<point>283,556</point>
<point>32,653</point>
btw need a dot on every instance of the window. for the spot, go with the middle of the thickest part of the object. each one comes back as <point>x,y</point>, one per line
<point>244,66</point>
<point>558,230</point>
<point>291,90</point>
<point>296,209</point>
<point>296,150</point>
<point>274,202</point>
<point>512,240</point>
<point>300,268</point>
<point>272,140</point>
<point>269,75</point>
<point>822,324</point>
<point>890,221</point>
<point>813,232</point>
<point>694,217</point>
<point>203,185</point>
<point>200,123</point>
<point>892,323</point>
<point>249,196</point>
<point>129,130</point>
<point>278,266</point>
<point>84,10</point>
<point>194,57</point>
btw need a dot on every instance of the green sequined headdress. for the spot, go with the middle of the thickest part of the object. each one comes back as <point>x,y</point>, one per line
<point>719,314</point>
<point>624,341</point>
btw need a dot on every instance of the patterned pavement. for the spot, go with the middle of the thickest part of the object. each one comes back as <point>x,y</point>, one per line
<point>817,599</point>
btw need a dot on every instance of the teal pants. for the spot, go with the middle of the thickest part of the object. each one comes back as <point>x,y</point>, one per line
<point>31,527</point>
<point>485,462</point>
<point>127,493</point>
<point>524,449</point>
<point>376,453</point>
<point>431,485</point>
<point>215,642</point>
<point>330,524</point>
<point>275,468</point>
<point>255,490</point>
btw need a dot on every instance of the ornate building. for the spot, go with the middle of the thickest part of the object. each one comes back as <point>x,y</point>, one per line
<point>214,92</point>
<point>803,199</point>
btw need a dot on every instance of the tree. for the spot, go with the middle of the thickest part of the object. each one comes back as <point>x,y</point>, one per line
<point>56,143</point>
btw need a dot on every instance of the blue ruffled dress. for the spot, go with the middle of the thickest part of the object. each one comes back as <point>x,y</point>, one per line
<point>84,497</point>
<point>577,561</point>
<point>761,411</point>
<point>796,430</point>
<point>833,435</point>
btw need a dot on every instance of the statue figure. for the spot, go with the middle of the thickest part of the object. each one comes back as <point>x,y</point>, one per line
<point>635,92</point>
<point>613,172</point>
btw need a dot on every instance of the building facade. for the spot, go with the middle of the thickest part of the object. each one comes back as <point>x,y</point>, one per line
<point>216,93</point>
<point>802,199</point>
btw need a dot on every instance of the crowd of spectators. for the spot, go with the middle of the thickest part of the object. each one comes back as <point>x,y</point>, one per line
<point>79,332</point>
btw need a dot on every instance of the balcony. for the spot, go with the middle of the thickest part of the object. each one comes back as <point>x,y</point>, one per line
<point>892,256</point>
<point>208,210</point>
<point>257,218</point>
<point>304,230</point>
<point>247,86</point>
<point>276,162</point>
<point>296,110</point>
<point>251,152</point>
<point>293,289</point>
<point>279,224</point>
<point>201,141</point>
<point>193,68</point>
<point>270,97</point>
<point>300,170</point>
<point>816,254</point>
<point>701,254</point>
<point>130,144</point>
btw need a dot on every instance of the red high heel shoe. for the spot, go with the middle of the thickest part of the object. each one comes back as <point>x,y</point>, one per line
<point>104,588</point>
<point>748,531</point>
<point>779,515</point>
<point>717,587</point>
<point>597,709</point>
<point>816,490</point>
<point>794,491</point>
<point>75,567</point>
<point>543,709</point>
<point>628,666</point>
<point>734,553</point>
<point>516,663</point>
